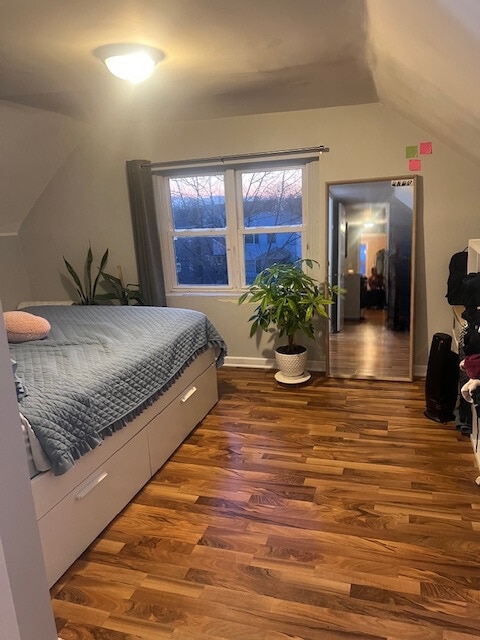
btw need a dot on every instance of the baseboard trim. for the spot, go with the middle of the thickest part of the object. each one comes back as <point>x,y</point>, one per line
<point>419,371</point>
<point>267,363</point>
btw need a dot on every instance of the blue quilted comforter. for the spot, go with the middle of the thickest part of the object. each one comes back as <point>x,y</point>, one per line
<point>99,367</point>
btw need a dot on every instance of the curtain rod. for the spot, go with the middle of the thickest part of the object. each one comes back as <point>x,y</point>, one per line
<point>219,159</point>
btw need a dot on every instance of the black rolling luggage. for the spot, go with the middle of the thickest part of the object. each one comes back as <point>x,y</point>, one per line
<point>441,384</point>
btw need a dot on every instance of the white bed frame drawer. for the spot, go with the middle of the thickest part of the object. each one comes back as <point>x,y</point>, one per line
<point>48,490</point>
<point>72,509</point>
<point>168,430</point>
<point>66,530</point>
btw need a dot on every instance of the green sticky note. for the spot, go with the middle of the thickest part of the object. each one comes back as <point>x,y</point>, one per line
<point>412,151</point>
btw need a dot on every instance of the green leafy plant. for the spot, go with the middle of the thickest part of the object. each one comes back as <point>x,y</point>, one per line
<point>87,291</point>
<point>124,293</point>
<point>289,299</point>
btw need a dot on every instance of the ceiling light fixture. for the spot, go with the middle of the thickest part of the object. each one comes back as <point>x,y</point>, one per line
<point>132,62</point>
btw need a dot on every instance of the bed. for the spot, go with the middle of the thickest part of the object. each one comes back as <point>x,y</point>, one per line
<point>111,392</point>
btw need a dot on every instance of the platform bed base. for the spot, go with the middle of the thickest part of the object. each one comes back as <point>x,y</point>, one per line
<point>74,508</point>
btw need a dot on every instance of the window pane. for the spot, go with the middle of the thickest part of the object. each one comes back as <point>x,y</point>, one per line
<point>272,198</point>
<point>198,202</point>
<point>201,260</point>
<point>263,249</point>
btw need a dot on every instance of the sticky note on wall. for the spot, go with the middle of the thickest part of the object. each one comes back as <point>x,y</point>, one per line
<point>425,148</point>
<point>411,151</point>
<point>415,165</point>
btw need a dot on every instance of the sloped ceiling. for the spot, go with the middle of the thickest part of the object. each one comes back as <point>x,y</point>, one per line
<point>222,57</point>
<point>424,58</point>
<point>256,56</point>
<point>34,146</point>
<point>227,57</point>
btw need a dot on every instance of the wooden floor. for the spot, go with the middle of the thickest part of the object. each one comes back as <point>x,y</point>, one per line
<point>331,511</point>
<point>367,349</point>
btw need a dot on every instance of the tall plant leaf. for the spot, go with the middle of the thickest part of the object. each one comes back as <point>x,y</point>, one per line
<point>76,279</point>
<point>88,273</point>
<point>87,290</point>
<point>100,269</point>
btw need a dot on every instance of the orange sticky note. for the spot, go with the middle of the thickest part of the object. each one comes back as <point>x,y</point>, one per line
<point>415,165</point>
<point>425,148</point>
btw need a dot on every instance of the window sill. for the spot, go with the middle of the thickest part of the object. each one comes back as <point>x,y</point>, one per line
<point>206,294</point>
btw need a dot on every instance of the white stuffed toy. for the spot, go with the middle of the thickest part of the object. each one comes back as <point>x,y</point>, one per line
<point>467,389</point>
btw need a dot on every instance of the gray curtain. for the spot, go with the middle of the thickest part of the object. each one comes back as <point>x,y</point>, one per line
<point>145,232</point>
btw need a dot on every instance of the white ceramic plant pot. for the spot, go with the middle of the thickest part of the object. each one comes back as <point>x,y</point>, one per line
<point>292,366</point>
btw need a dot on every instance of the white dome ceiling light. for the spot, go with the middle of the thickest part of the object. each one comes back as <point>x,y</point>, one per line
<point>132,62</point>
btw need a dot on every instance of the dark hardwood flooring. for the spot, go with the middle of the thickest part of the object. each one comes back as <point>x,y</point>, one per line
<point>364,348</point>
<point>331,511</point>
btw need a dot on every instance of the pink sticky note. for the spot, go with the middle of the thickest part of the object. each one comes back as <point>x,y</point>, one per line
<point>415,165</point>
<point>425,148</point>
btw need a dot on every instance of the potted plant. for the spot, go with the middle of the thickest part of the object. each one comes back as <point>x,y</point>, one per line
<point>87,292</point>
<point>119,292</point>
<point>288,300</point>
<point>124,294</point>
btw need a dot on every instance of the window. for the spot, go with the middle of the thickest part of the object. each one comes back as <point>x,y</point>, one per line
<point>220,227</point>
<point>271,218</point>
<point>199,225</point>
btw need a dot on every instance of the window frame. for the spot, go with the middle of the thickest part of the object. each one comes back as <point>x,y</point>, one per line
<point>235,230</point>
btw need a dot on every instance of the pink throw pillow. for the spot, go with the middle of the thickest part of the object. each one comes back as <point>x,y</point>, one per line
<point>22,326</point>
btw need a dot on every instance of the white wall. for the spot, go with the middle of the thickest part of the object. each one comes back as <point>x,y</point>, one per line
<point>87,199</point>
<point>34,144</point>
<point>14,284</point>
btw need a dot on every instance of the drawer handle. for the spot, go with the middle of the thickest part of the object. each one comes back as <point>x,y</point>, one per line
<point>91,485</point>
<point>189,394</point>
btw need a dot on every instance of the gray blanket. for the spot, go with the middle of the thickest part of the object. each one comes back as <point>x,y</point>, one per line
<point>99,367</point>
